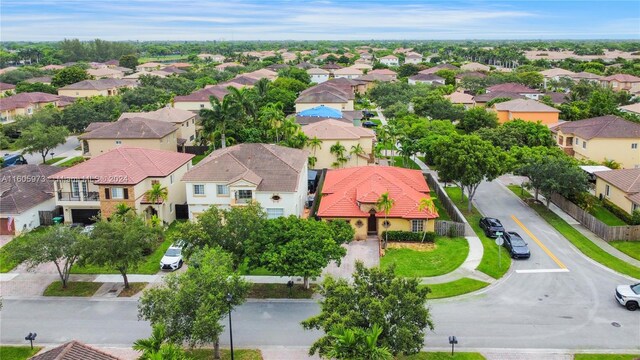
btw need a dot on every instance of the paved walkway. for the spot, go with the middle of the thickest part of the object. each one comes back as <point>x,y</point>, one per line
<point>383,120</point>
<point>517,180</point>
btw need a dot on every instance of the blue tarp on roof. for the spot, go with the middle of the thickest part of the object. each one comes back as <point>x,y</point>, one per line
<point>322,111</point>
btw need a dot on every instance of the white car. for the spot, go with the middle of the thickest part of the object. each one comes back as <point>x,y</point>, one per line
<point>172,259</point>
<point>629,296</point>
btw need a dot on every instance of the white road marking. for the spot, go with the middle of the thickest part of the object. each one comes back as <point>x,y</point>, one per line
<point>537,271</point>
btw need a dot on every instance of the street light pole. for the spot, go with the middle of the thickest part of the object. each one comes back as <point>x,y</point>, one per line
<point>229,299</point>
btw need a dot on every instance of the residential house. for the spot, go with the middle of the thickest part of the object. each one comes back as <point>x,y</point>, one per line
<point>332,132</point>
<point>180,65</point>
<point>366,57</point>
<point>587,76</point>
<point>557,98</point>
<point>273,176</point>
<point>526,109</point>
<point>474,66</point>
<point>184,120</point>
<point>351,194</point>
<point>621,187</point>
<point>53,67</point>
<point>74,350</point>
<point>631,109</point>
<point>210,57</point>
<point>106,73</point>
<point>601,138</point>
<point>102,137</point>
<point>240,81</point>
<point>137,75</point>
<point>429,79</point>
<point>306,65</point>
<point>224,66</point>
<point>318,75</point>
<point>362,66</point>
<point>483,99</point>
<point>331,67</point>
<point>149,66</point>
<point>101,87</point>
<point>622,82</point>
<point>24,104</point>
<point>390,74</point>
<point>24,192</point>
<point>262,74</point>
<point>435,69</point>
<point>199,99</point>
<point>516,88</point>
<point>556,74</point>
<point>336,94</point>
<point>461,98</point>
<point>6,89</point>
<point>413,58</point>
<point>347,73</point>
<point>40,79</point>
<point>389,60</point>
<point>322,112</point>
<point>122,176</point>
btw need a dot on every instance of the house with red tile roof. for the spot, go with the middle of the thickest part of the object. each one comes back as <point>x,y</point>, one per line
<point>24,104</point>
<point>435,69</point>
<point>622,82</point>
<point>351,194</point>
<point>517,89</point>
<point>74,350</point>
<point>6,89</point>
<point>121,176</point>
<point>199,99</point>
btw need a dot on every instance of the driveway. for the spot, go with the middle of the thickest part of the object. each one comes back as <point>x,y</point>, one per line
<point>366,251</point>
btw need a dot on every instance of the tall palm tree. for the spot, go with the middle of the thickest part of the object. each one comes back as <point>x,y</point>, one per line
<point>261,87</point>
<point>315,144</point>
<point>241,98</point>
<point>338,150</point>
<point>312,161</point>
<point>221,114</point>
<point>273,115</point>
<point>385,203</point>
<point>157,194</point>
<point>427,205</point>
<point>357,151</point>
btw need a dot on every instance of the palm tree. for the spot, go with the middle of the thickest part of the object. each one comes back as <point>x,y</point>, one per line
<point>357,343</point>
<point>241,98</point>
<point>122,209</point>
<point>426,204</point>
<point>338,150</point>
<point>357,150</point>
<point>273,115</point>
<point>157,194</point>
<point>611,164</point>
<point>151,344</point>
<point>315,144</point>
<point>312,161</point>
<point>385,203</point>
<point>221,114</point>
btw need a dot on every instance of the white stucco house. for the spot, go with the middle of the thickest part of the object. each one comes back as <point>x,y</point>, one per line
<point>390,60</point>
<point>318,75</point>
<point>271,175</point>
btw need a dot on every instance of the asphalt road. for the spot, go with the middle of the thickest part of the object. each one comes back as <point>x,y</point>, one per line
<point>572,310</point>
<point>66,149</point>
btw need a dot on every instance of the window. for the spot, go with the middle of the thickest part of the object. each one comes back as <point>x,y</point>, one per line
<point>634,146</point>
<point>417,225</point>
<point>577,141</point>
<point>171,179</point>
<point>635,207</point>
<point>191,138</point>
<point>201,106</point>
<point>244,196</point>
<point>584,144</point>
<point>607,190</point>
<point>273,213</point>
<point>198,189</point>
<point>117,193</point>
<point>75,189</point>
<point>223,190</point>
<point>170,207</point>
<point>118,142</point>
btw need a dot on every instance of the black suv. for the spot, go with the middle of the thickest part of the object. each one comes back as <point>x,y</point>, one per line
<point>516,245</point>
<point>491,226</point>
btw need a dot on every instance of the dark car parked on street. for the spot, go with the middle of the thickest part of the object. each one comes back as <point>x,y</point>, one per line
<point>516,245</point>
<point>491,226</point>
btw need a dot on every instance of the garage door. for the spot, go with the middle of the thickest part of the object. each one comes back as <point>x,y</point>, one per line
<point>4,227</point>
<point>84,216</point>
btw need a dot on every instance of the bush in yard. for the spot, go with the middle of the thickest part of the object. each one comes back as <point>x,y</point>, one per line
<point>617,211</point>
<point>409,236</point>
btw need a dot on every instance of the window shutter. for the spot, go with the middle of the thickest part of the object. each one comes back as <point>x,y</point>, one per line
<point>107,194</point>
<point>126,193</point>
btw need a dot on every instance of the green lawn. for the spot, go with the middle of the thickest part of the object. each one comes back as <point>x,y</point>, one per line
<point>134,288</point>
<point>74,288</point>
<point>280,291</point>
<point>520,191</point>
<point>442,356</point>
<point>489,262</point>
<point>455,288</point>
<point>447,256</point>
<point>603,214</point>
<point>54,160</point>
<point>583,243</point>
<point>72,161</point>
<point>239,354</point>
<point>7,262</point>
<point>631,248</point>
<point>17,352</point>
<point>605,357</point>
<point>398,161</point>
<point>196,159</point>
<point>444,215</point>
<point>376,121</point>
<point>243,269</point>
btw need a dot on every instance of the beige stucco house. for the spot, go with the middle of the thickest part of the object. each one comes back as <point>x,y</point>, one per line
<point>337,94</point>
<point>200,99</point>
<point>332,132</point>
<point>184,120</point>
<point>621,187</point>
<point>25,104</point>
<point>101,87</point>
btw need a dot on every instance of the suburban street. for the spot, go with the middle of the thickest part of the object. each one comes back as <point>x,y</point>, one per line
<point>66,149</point>
<point>536,309</point>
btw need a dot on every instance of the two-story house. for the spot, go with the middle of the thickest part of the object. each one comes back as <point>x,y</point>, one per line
<point>337,94</point>
<point>389,60</point>
<point>517,89</point>
<point>622,82</point>
<point>429,79</point>
<point>318,75</point>
<point>413,58</point>
<point>621,187</point>
<point>200,99</point>
<point>555,74</point>
<point>103,87</point>
<point>332,132</point>
<point>526,109</point>
<point>271,175</point>
<point>121,176</point>
<point>601,138</point>
<point>185,121</point>
<point>24,104</point>
<point>348,73</point>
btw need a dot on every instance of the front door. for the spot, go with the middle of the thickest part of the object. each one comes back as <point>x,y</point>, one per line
<point>372,225</point>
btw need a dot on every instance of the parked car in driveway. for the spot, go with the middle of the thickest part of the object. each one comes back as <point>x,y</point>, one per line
<point>629,296</point>
<point>172,259</point>
<point>516,245</point>
<point>491,226</point>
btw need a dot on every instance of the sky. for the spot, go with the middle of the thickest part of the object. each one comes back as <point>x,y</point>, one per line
<point>51,20</point>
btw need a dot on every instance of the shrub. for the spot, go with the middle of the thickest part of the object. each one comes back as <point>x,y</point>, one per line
<point>409,236</point>
<point>617,211</point>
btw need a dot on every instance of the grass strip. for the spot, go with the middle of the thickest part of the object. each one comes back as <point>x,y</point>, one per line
<point>134,288</point>
<point>238,354</point>
<point>74,288</point>
<point>455,288</point>
<point>280,291</point>
<point>18,352</point>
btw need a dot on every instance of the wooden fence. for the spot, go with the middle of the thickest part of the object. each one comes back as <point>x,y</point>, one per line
<point>195,150</point>
<point>459,224</point>
<point>606,232</point>
<point>46,217</point>
<point>450,228</point>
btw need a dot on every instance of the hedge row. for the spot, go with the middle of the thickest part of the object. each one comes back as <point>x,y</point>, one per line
<point>409,236</point>
<point>617,211</point>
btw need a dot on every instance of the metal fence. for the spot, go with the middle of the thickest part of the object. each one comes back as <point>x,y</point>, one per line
<point>606,232</point>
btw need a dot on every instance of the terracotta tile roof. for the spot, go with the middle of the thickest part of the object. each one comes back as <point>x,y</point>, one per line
<point>126,166</point>
<point>483,98</point>
<point>336,130</point>
<point>270,167</point>
<point>262,74</point>
<point>101,84</point>
<point>390,57</point>
<point>557,97</point>
<point>180,65</point>
<point>634,108</point>
<point>74,350</point>
<point>471,75</point>
<point>228,64</point>
<point>53,67</point>
<point>203,95</point>
<point>627,180</point>
<point>5,86</point>
<point>426,77</point>
<point>41,79</point>
<point>306,65</point>
<point>377,77</point>
<point>438,68</point>
<point>326,96</point>
<point>382,72</point>
<point>242,80</point>
<point>167,114</point>
<point>96,125</point>
<point>340,87</point>
<point>586,75</point>
<point>524,105</point>
<point>347,71</point>
<point>132,128</point>
<point>331,66</point>
<point>512,87</point>
<point>100,72</point>
<point>344,189</point>
<point>460,98</point>
<point>474,66</point>
<point>622,78</point>
<point>25,186</point>
<point>556,72</point>
<point>317,71</point>
<point>601,127</point>
<point>22,100</point>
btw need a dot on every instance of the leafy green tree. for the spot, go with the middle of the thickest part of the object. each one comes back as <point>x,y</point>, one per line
<point>293,246</point>
<point>120,243</point>
<point>435,106</point>
<point>39,138</point>
<point>385,203</point>
<point>550,175</point>
<point>145,98</point>
<point>468,160</point>
<point>355,344</point>
<point>341,231</point>
<point>426,204</point>
<point>532,79</point>
<point>69,75</point>
<point>280,95</point>
<point>295,73</point>
<point>518,133</point>
<point>406,70</point>
<point>82,112</point>
<point>374,297</point>
<point>290,84</point>
<point>59,244</point>
<point>191,305</point>
<point>157,194</point>
<point>449,76</point>
<point>477,118</point>
<point>129,61</point>
<point>35,87</point>
<point>338,150</point>
<point>357,151</point>
<point>221,115</point>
